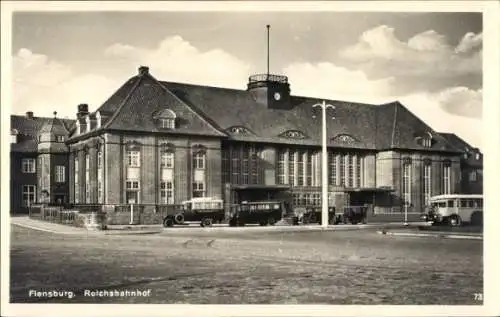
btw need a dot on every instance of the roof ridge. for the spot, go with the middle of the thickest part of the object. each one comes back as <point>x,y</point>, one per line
<point>117,111</point>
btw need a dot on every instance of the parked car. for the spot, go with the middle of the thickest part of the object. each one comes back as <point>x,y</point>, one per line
<point>261,212</point>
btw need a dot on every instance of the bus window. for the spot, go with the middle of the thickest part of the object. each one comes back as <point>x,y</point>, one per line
<point>480,203</point>
<point>470,203</point>
<point>476,203</point>
<point>463,203</point>
<point>451,203</point>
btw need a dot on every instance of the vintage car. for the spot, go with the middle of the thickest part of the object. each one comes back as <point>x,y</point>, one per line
<point>206,210</point>
<point>261,212</point>
<point>313,215</point>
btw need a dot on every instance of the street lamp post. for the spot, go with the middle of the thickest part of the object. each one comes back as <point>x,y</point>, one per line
<point>324,166</point>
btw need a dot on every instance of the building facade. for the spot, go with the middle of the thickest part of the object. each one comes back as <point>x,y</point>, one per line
<point>155,143</point>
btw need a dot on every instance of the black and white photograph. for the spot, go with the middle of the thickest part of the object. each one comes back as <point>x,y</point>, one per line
<point>256,158</point>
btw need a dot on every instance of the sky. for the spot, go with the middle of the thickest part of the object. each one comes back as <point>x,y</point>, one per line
<point>430,62</point>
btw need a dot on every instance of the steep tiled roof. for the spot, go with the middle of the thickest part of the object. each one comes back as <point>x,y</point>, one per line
<point>213,111</point>
<point>461,145</point>
<point>398,127</point>
<point>29,129</point>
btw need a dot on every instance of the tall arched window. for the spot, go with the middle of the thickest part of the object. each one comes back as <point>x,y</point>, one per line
<point>77,180</point>
<point>446,177</point>
<point>87,177</point>
<point>133,173</point>
<point>100,176</point>
<point>427,180</point>
<point>167,164</point>
<point>199,173</point>
<point>406,190</point>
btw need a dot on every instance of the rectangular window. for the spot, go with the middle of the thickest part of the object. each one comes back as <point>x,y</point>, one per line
<point>473,176</point>
<point>350,171</point>
<point>245,165</point>
<point>291,167</point>
<point>309,169</point>
<point>235,165</point>
<point>254,157</point>
<point>198,189</point>
<point>77,181</point>
<point>331,169</point>
<point>133,158</point>
<point>29,195</point>
<point>446,180</point>
<point>281,167</point>
<point>225,166</point>
<point>342,170</point>
<point>407,183</point>
<point>100,189</point>
<point>167,160</point>
<point>167,192</point>
<point>132,191</point>
<point>359,171</point>
<point>167,123</point>
<point>199,160</point>
<point>300,168</point>
<point>427,183</point>
<point>60,138</point>
<point>87,178</point>
<point>60,174</point>
<point>28,165</point>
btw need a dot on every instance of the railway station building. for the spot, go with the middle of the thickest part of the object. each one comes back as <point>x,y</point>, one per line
<point>156,143</point>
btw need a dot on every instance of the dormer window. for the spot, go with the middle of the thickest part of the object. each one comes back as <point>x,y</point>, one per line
<point>293,134</point>
<point>165,119</point>
<point>13,136</point>
<point>167,123</point>
<point>60,138</point>
<point>424,139</point>
<point>478,156</point>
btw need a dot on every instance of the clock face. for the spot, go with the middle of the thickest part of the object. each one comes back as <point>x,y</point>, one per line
<point>277,96</point>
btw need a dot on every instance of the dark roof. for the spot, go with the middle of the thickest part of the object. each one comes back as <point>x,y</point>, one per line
<point>29,129</point>
<point>212,111</point>
<point>464,147</point>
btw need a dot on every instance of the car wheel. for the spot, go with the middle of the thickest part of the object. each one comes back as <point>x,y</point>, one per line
<point>455,221</point>
<point>271,221</point>
<point>207,222</point>
<point>168,222</point>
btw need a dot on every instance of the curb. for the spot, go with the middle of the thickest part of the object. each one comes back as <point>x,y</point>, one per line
<point>83,232</point>
<point>428,235</point>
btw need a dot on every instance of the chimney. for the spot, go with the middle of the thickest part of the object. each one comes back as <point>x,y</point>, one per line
<point>83,110</point>
<point>143,70</point>
<point>29,114</point>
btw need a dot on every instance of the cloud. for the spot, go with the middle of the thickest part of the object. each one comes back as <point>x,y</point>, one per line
<point>431,108</point>
<point>380,53</point>
<point>462,101</point>
<point>326,80</point>
<point>175,59</point>
<point>42,85</point>
<point>469,42</point>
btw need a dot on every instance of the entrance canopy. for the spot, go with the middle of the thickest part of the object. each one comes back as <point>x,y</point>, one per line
<point>260,187</point>
<point>369,190</point>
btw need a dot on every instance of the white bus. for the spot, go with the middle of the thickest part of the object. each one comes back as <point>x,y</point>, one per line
<point>455,209</point>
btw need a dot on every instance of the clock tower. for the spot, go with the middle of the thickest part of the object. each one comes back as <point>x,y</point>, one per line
<point>270,90</point>
<point>273,91</point>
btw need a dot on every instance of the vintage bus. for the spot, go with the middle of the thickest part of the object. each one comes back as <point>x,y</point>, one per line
<point>206,210</point>
<point>258,212</point>
<point>455,209</point>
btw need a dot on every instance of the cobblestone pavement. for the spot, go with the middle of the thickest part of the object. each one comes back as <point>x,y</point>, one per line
<point>344,267</point>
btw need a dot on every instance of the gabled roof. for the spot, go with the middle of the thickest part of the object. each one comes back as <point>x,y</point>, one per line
<point>29,129</point>
<point>398,127</point>
<point>137,102</point>
<point>464,147</point>
<point>213,111</point>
